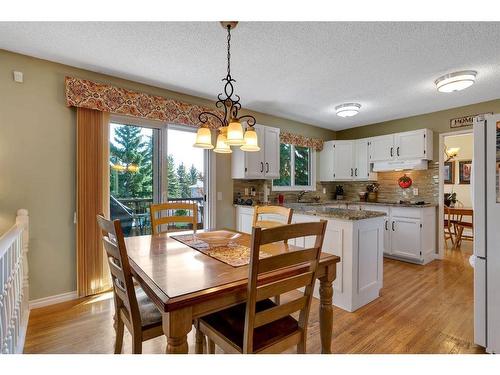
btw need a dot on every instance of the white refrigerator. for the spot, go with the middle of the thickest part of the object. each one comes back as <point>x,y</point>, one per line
<point>486,258</point>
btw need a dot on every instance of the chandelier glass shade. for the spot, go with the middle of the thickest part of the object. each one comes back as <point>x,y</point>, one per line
<point>230,132</point>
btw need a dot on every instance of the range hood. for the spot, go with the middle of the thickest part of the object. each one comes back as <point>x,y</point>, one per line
<point>398,165</point>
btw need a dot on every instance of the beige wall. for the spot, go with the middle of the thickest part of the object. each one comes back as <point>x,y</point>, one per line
<point>439,122</point>
<point>466,143</point>
<point>37,162</point>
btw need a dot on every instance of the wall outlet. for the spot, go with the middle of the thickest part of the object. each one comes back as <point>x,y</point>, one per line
<point>415,192</point>
<point>246,192</point>
<point>219,195</point>
<point>324,190</point>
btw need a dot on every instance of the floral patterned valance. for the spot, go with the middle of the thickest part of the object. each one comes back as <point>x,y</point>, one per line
<point>107,98</point>
<point>300,140</point>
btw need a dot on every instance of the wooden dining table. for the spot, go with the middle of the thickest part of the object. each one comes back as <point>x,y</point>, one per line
<point>185,284</point>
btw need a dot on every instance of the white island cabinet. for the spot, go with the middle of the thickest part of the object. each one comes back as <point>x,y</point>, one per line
<point>359,244</point>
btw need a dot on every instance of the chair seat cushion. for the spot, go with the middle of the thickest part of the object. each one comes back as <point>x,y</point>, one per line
<point>150,315</point>
<point>230,323</point>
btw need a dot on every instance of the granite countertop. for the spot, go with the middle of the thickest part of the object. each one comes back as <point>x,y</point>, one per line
<point>338,213</point>
<point>397,204</point>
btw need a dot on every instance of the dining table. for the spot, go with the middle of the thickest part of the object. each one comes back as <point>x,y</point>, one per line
<point>185,284</point>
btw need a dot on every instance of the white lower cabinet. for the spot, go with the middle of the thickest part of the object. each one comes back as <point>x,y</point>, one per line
<point>244,219</point>
<point>409,232</point>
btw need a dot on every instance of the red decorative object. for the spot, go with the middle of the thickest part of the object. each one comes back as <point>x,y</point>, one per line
<point>405,181</point>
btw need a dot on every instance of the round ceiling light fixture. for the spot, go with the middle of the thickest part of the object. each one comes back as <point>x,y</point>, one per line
<point>456,81</point>
<point>347,109</point>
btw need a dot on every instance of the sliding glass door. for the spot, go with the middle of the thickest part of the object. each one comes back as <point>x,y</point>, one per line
<point>152,163</point>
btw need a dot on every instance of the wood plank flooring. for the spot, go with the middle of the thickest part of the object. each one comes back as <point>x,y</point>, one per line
<point>422,309</point>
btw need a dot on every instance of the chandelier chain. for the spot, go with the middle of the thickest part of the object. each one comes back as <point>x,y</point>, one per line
<point>229,50</point>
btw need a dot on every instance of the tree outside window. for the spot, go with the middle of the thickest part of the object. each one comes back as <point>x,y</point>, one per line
<point>296,168</point>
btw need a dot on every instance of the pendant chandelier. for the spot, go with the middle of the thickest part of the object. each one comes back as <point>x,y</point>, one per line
<point>230,133</point>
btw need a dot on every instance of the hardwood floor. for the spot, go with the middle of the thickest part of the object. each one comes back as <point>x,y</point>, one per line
<point>422,309</point>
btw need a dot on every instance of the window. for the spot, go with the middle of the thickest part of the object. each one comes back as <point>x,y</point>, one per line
<point>296,169</point>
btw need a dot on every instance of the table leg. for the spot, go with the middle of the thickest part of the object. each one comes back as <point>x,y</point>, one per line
<point>176,326</point>
<point>326,309</point>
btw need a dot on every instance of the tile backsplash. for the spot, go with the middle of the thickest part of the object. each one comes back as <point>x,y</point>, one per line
<point>426,181</point>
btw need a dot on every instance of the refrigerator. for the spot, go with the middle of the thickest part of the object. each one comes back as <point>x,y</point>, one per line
<point>486,257</point>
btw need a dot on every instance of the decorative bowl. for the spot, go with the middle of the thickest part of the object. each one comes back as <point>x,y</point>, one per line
<point>217,238</point>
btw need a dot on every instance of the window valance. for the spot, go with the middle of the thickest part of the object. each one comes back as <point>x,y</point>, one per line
<point>301,140</point>
<point>107,98</point>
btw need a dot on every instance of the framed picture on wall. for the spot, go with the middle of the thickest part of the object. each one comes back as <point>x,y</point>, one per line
<point>449,172</point>
<point>464,170</point>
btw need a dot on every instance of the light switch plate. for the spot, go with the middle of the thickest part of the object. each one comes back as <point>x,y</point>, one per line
<point>219,195</point>
<point>415,191</point>
<point>18,76</point>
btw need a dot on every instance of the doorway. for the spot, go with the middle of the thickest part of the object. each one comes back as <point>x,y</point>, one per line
<point>149,163</point>
<point>455,191</point>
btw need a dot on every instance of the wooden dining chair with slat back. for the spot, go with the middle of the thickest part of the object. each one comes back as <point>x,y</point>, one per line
<point>450,229</point>
<point>133,308</point>
<point>166,213</point>
<point>259,325</point>
<point>283,213</point>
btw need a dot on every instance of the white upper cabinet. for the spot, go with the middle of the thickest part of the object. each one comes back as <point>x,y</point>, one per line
<point>271,152</point>
<point>345,161</point>
<point>326,162</point>
<point>414,145</point>
<point>381,148</point>
<point>410,145</point>
<point>263,164</point>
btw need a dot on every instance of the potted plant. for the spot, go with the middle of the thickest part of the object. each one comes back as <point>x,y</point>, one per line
<point>372,190</point>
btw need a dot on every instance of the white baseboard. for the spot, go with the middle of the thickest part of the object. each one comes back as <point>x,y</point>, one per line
<point>51,300</point>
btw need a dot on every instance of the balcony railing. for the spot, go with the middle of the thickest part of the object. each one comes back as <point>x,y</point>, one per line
<point>134,213</point>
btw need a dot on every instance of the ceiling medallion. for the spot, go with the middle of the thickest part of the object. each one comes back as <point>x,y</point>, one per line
<point>230,133</point>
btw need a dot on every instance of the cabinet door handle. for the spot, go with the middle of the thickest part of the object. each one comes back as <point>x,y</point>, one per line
<point>393,226</point>
<point>267,167</point>
<point>352,172</point>
<point>386,225</point>
<point>261,167</point>
<point>397,151</point>
<point>356,172</point>
<point>392,152</point>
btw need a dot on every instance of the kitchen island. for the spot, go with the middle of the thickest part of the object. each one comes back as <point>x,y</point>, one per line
<point>355,236</point>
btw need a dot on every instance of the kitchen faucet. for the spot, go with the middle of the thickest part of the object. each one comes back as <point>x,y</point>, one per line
<point>300,195</point>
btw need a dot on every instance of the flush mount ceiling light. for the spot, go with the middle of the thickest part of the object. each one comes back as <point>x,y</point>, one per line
<point>347,109</point>
<point>456,81</point>
<point>230,132</point>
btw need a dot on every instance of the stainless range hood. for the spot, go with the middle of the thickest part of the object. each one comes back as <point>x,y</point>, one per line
<point>398,165</point>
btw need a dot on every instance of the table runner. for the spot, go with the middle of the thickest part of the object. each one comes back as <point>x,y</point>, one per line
<point>234,254</point>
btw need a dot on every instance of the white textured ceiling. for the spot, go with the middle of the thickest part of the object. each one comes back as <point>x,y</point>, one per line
<point>297,70</point>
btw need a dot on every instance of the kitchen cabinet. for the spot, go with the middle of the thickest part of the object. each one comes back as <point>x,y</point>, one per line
<point>244,219</point>
<point>412,145</point>
<point>405,237</point>
<point>381,148</point>
<point>263,164</point>
<point>345,161</point>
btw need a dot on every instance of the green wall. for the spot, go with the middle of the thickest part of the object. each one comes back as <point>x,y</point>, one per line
<point>439,122</point>
<point>37,162</point>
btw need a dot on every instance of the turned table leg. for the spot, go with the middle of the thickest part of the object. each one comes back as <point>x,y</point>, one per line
<point>176,326</point>
<point>326,309</point>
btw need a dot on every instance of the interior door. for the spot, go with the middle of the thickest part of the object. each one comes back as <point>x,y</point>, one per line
<point>382,148</point>
<point>271,152</point>
<point>410,145</point>
<point>254,161</point>
<point>343,161</point>
<point>405,237</point>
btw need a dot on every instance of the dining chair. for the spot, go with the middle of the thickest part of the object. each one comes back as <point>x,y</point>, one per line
<point>259,325</point>
<point>461,226</point>
<point>450,229</point>
<point>284,213</point>
<point>166,213</point>
<point>133,308</point>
